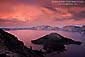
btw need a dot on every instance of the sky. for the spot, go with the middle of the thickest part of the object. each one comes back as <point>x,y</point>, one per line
<point>26,13</point>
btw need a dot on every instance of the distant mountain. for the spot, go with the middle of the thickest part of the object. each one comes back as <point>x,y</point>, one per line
<point>34,28</point>
<point>82,30</point>
<point>45,28</point>
<point>16,28</point>
<point>74,29</point>
<point>71,28</point>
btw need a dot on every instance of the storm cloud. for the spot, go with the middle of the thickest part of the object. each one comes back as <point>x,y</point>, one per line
<point>32,12</point>
<point>78,15</point>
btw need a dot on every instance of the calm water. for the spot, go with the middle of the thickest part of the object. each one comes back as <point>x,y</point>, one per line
<point>72,50</point>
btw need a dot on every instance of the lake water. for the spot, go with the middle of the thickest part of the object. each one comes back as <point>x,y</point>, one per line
<point>72,50</point>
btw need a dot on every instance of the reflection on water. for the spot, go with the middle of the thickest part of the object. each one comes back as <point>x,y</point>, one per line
<point>72,50</point>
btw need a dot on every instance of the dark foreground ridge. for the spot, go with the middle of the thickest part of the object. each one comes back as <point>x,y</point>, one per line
<point>12,47</point>
<point>54,42</point>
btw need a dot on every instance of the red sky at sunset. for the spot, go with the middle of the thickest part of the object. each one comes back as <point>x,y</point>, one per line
<point>25,13</point>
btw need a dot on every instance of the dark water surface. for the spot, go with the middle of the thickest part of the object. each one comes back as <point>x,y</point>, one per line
<point>72,50</point>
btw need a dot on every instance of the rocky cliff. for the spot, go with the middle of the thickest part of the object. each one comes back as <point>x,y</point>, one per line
<point>12,47</point>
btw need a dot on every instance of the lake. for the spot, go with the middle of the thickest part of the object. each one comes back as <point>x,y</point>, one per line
<point>72,50</point>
